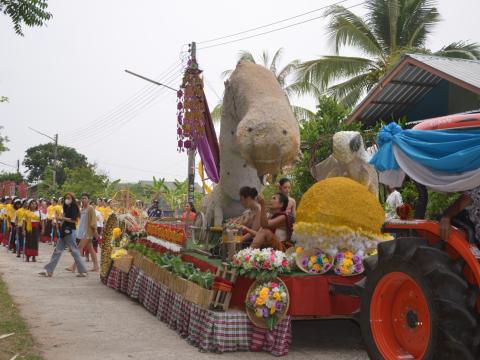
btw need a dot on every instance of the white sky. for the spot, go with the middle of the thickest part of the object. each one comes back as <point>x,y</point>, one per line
<point>66,76</point>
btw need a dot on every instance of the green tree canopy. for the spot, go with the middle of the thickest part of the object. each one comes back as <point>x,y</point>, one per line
<point>25,13</point>
<point>11,176</point>
<point>39,157</point>
<point>85,179</point>
<point>3,141</point>
<point>390,29</point>
<point>317,134</point>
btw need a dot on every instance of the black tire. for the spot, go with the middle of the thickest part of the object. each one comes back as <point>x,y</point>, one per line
<point>451,300</point>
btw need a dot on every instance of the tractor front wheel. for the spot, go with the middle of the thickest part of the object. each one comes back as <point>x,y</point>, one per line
<point>416,305</point>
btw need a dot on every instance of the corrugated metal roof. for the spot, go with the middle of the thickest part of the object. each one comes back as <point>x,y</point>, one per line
<point>413,77</point>
<point>465,70</point>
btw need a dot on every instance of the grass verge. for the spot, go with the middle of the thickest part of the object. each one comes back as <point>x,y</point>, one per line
<point>22,343</point>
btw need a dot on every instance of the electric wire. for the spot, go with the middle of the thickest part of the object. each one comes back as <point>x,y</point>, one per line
<point>114,118</point>
<point>175,66</point>
<point>274,30</point>
<point>270,24</point>
<point>107,118</point>
<point>144,91</point>
<point>122,120</point>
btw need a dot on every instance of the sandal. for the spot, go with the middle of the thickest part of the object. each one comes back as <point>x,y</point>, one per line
<point>45,274</point>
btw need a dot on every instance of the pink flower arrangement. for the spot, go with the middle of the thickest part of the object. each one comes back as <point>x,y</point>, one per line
<point>265,263</point>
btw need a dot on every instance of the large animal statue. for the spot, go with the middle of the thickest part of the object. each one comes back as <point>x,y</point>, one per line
<point>349,159</point>
<point>258,136</point>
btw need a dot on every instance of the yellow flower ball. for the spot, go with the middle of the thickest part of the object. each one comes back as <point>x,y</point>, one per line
<point>313,259</point>
<point>341,202</point>
<point>299,250</point>
<point>316,267</point>
<point>272,310</point>
<point>276,295</point>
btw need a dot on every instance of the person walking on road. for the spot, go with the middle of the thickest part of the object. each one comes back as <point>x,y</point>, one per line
<point>87,231</point>
<point>71,213</point>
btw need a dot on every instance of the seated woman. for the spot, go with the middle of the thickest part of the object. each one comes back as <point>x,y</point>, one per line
<point>249,222</point>
<point>277,228</point>
<point>285,186</point>
<point>189,212</point>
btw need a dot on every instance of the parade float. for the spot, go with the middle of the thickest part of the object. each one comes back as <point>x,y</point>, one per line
<point>346,264</point>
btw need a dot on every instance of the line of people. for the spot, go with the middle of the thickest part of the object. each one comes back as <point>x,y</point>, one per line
<point>65,222</point>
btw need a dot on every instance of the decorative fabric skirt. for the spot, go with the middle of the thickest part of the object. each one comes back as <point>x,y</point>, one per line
<point>47,230</point>
<point>31,240</point>
<point>12,237</point>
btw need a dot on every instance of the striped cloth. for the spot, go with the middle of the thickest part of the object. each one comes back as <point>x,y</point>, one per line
<point>210,331</point>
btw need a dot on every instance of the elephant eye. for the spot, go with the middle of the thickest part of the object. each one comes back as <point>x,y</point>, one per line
<point>250,129</point>
<point>284,132</point>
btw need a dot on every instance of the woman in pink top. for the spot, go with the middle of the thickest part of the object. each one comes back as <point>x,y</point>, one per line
<point>189,212</point>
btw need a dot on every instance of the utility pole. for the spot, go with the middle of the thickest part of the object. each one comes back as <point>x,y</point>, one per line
<point>191,152</point>
<point>18,166</point>
<point>55,152</point>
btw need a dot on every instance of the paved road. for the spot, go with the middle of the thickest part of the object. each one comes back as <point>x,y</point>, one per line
<point>79,318</point>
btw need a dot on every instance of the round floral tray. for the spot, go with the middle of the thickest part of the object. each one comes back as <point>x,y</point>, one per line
<point>314,261</point>
<point>267,303</point>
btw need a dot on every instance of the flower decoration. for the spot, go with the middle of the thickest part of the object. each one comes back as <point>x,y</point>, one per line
<point>118,253</point>
<point>191,109</point>
<point>314,261</point>
<point>116,233</point>
<point>339,213</point>
<point>268,301</point>
<point>261,263</point>
<point>347,263</point>
<point>169,233</point>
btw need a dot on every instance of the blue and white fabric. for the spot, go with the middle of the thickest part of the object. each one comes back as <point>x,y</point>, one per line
<point>444,160</point>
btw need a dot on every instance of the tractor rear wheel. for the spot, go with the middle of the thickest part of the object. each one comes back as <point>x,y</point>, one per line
<point>416,305</point>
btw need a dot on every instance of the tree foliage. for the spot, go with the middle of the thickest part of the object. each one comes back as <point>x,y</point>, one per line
<point>3,141</point>
<point>318,132</point>
<point>11,176</point>
<point>39,157</point>
<point>29,13</point>
<point>85,179</point>
<point>390,29</point>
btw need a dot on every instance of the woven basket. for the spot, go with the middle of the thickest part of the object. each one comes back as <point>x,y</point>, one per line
<point>307,254</point>
<point>179,285</point>
<point>137,257</point>
<point>198,295</point>
<point>260,322</point>
<point>123,263</point>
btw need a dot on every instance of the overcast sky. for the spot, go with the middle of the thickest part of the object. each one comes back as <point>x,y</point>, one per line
<point>68,78</point>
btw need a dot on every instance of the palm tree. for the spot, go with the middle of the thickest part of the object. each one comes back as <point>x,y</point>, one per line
<point>390,29</point>
<point>283,76</point>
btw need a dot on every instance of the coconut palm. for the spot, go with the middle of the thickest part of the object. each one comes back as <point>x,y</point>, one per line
<point>283,75</point>
<point>390,29</point>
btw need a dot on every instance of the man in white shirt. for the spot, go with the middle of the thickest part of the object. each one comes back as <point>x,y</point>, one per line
<point>394,200</point>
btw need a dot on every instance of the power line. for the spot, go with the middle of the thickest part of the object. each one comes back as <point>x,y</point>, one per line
<point>268,25</point>
<point>115,120</point>
<point>9,165</point>
<point>275,30</point>
<point>132,113</point>
<point>121,106</point>
<point>106,118</point>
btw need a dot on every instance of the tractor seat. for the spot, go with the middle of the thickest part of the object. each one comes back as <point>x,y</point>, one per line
<point>463,222</point>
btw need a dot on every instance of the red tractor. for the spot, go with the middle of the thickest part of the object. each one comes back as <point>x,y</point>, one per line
<point>420,298</point>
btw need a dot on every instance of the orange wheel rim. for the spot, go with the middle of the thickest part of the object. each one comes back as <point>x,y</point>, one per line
<point>400,318</point>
